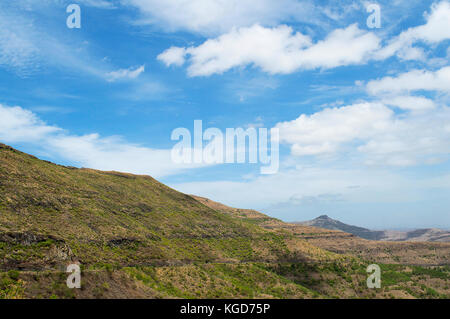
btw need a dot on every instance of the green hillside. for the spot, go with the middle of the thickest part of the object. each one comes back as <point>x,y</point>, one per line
<point>135,237</point>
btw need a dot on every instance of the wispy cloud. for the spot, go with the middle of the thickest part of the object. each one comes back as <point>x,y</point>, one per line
<point>103,4</point>
<point>130,73</point>
<point>27,46</point>
<point>52,109</point>
<point>216,16</point>
<point>18,51</point>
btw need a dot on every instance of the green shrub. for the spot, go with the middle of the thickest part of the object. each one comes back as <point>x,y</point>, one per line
<point>13,274</point>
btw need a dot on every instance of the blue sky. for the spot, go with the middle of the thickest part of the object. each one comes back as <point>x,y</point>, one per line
<point>363,112</point>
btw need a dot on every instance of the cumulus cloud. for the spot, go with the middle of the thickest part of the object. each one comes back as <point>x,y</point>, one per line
<point>412,81</point>
<point>18,125</point>
<point>435,30</point>
<point>173,56</point>
<point>373,132</point>
<point>129,73</point>
<point>279,49</point>
<point>326,131</point>
<point>274,50</point>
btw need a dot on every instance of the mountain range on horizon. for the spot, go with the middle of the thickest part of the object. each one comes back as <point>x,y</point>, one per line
<point>423,235</point>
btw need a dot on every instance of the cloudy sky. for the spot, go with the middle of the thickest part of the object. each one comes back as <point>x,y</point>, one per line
<point>363,112</point>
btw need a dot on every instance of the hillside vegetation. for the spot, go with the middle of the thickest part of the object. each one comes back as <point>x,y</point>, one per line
<point>135,237</point>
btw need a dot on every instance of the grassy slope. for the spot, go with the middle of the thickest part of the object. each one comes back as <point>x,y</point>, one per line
<point>136,237</point>
<point>117,218</point>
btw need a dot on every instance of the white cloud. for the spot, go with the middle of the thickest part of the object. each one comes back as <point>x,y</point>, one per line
<point>173,56</point>
<point>129,73</point>
<point>218,16</point>
<point>373,133</point>
<point>326,131</point>
<point>18,125</point>
<point>279,49</point>
<point>274,50</point>
<point>113,153</point>
<point>412,81</point>
<point>412,103</point>
<point>341,47</point>
<point>435,30</point>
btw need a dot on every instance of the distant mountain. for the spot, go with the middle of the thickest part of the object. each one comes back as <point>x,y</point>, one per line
<point>427,234</point>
